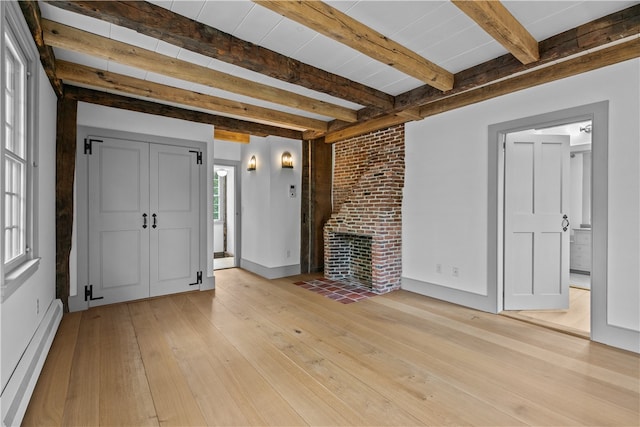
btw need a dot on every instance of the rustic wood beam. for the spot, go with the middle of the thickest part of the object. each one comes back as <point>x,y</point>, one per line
<point>582,64</point>
<point>94,77</point>
<point>496,20</point>
<point>225,135</point>
<point>31,13</point>
<point>329,21</point>
<point>65,37</point>
<point>65,171</point>
<point>141,106</point>
<point>158,22</point>
<point>571,67</point>
<point>594,34</point>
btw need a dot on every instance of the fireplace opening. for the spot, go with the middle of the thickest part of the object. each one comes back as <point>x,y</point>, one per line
<point>350,259</point>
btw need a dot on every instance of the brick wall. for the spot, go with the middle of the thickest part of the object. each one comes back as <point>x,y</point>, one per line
<point>367,201</point>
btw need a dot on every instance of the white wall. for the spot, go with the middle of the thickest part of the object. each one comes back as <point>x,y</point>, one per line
<point>270,218</point>
<point>445,196</point>
<point>19,311</point>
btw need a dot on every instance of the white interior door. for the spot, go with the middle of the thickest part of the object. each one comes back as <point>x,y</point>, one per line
<point>174,210</point>
<point>536,228</point>
<point>118,241</point>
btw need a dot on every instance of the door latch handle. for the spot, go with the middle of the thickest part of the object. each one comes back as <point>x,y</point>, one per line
<point>565,222</point>
<point>155,221</point>
<point>144,220</point>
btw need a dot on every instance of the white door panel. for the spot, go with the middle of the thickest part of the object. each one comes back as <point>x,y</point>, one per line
<point>174,245</point>
<point>118,198</point>
<point>536,268</point>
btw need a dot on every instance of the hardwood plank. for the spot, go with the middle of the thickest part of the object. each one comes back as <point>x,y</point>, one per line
<point>267,352</point>
<point>174,401</point>
<point>496,20</point>
<point>147,107</point>
<point>358,393</point>
<point>158,22</point>
<point>410,387</point>
<point>125,397</point>
<point>313,402</point>
<point>220,405</point>
<point>339,26</point>
<point>95,77</point>
<point>65,37</point>
<point>82,403</point>
<point>271,406</point>
<point>48,400</point>
<point>447,391</point>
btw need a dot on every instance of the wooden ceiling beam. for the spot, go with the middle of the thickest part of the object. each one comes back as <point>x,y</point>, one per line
<point>500,24</point>
<point>158,22</point>
<point>94,77</point>
<point>65,37</point>
<point>141,106</point>
<point>571,67</point>
<point>31,13</point>
<point>338,26</point>
<point>225,135</point>
<point>591,35</point>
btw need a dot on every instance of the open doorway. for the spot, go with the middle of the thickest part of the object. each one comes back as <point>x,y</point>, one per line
<point>574,316</point>
<point>226,226</point>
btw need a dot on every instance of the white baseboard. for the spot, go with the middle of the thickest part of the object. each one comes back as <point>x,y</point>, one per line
<point>270,272</point>
<point>17,393</point>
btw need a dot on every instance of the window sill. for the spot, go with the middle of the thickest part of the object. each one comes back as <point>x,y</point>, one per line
<point>18,276</point>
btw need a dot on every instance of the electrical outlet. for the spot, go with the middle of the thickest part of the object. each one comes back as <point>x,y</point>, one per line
<point>455,272</point>
<point>288,253</point>
<point>439,268</point>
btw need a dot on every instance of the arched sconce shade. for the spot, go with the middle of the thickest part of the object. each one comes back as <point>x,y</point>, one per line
<point>287,160</point>
<point>252,164</point>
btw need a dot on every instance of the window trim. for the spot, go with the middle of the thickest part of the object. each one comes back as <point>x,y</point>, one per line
<point>14,274</point>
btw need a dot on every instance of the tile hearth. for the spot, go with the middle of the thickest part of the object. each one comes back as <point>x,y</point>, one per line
<point>343,292</point>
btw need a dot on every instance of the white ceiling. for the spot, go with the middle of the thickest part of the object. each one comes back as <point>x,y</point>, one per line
<point>437,30</point>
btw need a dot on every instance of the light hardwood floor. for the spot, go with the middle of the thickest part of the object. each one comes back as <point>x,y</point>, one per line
<point>576,320</point>
<point>260,352</point>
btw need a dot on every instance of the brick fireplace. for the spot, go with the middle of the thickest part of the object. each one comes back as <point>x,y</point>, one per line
<point>363,237</point>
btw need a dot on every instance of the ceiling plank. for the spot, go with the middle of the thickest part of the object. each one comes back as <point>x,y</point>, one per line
<point>65,37</point>
<point>31,13</point>
<point>158,22</point>
<point>500,24</point>
<point>219,122</point>
<point>591,61</point>
<point>94,77</point>
<point>225,135</point>
<point>329,21</point>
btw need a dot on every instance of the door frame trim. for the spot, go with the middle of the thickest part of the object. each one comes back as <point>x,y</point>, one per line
<point>599,114</point>
<point>238,193</point>
<point>79,262</point>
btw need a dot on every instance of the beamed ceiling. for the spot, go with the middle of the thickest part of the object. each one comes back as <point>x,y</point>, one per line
<point>310,69</point>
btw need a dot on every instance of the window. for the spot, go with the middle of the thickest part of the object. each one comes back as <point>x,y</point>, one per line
<point>18,93</point>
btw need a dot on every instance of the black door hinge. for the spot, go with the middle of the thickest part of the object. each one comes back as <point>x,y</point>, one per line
<point>88,145</point>
<point>88,294</point>
<point>198,156</point>
<point>198,279</point>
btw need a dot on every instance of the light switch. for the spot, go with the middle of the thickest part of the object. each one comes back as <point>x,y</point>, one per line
<point>292,191</point>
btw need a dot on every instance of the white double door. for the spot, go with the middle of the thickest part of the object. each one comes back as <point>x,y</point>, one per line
<point>143,220</point>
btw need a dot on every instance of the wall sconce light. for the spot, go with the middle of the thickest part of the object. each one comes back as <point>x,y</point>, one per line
<point>221,172</point>
<point>252,164</point>
<point>287,160</point>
